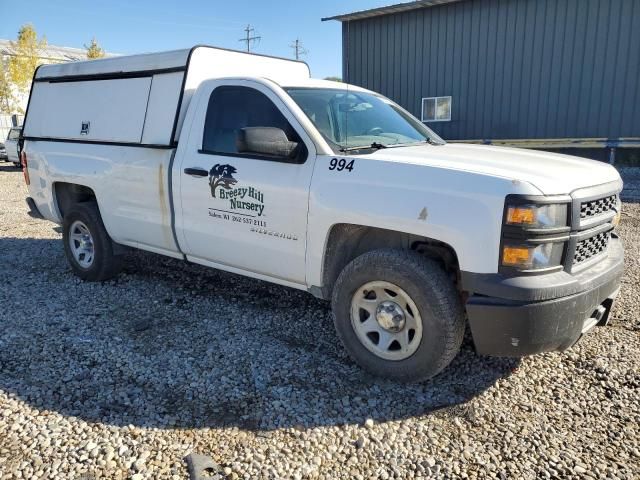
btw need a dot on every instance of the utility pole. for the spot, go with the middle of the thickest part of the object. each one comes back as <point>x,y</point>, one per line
<point>298,49</point>
<point>250,38</point>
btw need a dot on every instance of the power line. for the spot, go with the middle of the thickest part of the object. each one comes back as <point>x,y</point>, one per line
<point>251,37</point>
<point>298,49</point>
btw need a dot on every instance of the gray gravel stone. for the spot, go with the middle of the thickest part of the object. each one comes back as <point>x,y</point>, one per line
<point>170,359</point>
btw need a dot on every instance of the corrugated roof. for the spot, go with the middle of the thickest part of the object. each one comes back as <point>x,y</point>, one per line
<point>397,8</point>
<point>52,53</point>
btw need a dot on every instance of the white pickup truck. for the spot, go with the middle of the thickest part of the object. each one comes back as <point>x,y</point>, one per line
<point>243,163</point>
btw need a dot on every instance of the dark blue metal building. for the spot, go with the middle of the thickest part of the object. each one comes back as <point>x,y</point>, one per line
<point>549,74</point>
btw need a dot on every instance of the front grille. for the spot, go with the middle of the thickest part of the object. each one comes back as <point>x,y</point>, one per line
<point>597,207</point>
<point>591,247</point>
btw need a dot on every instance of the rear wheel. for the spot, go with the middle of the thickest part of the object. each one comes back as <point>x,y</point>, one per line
<point>89,249</point>
<point>398,314</point>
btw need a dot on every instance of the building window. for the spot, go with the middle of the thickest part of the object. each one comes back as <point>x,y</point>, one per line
<point>436,109</point>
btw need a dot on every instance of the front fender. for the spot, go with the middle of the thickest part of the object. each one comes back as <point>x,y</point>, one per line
<point>462,209</point>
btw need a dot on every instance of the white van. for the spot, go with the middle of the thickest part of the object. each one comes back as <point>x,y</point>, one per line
<point>244,163</point>
<point>11,145</point>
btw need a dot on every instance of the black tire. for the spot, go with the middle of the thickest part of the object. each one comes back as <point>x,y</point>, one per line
<point>105,264</point>
<point>432,291</point>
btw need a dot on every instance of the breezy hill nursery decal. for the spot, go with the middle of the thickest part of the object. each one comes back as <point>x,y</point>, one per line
<point>243,200</point>
<point>246,204</point>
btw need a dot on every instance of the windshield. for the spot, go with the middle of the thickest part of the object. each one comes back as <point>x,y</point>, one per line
<point>360,120</point>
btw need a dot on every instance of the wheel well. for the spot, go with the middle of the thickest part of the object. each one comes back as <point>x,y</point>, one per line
<point>347,242</point>
<point>68,194</point>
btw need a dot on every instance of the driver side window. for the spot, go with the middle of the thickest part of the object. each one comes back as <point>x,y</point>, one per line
<point>232,111</point>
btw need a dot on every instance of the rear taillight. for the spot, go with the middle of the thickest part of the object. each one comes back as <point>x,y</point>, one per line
<point>25,170</point>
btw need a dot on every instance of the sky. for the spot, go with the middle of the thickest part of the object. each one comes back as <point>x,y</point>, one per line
<point>128,27</point>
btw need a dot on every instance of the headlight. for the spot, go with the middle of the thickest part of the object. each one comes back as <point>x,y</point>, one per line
<point>533,257</point>
<point>537,216</point>
<point>535,232</point>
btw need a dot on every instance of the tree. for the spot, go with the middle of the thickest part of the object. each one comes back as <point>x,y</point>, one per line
<point>26,57</point>
<point>7,98</point>
<point>334,79</point>
<point>94,50</point>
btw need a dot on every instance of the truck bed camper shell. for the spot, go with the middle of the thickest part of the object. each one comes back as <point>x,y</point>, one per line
<point>137,99</point>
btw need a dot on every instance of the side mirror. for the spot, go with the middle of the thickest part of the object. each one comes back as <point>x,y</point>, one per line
<point>267,141</point>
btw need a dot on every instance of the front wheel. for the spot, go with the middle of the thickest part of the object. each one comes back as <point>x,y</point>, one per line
<point>87,244</point>
<point>398,314</point>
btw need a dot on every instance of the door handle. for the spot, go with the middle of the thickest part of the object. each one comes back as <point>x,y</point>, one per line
<point>196,172</point>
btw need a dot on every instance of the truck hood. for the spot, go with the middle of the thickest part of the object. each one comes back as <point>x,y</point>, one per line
<point>551,173</point>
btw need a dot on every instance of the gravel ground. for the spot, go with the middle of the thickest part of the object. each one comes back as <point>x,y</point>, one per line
<point>126,378</point>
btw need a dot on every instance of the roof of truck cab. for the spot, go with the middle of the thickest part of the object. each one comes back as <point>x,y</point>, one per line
<point>316,83</point>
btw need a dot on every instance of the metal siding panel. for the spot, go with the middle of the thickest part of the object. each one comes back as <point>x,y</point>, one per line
<point>425,59</point>
<point>619,86</point>
<point>419,51</point>
<point>442,54</point>
<point>362,32</point>
<point>433,56</point>
<point>544,74</point>
<point>450,53</point>
<point>513,78</point>
<point>493,64</point>
<point>385,64</point>
<point>377,69</point>
<point>410,101</point>
<point>537,74</point>
<point>353,54</point>
<point>602,94</point>
<point>397,76</point>
<point>528,35</point>
<point>404,65</point>
<point>392,55</point>
<point>577,67</point>
<point>352,50</point>
<point>498,126</point>
<point>473,129</point>
<point>630,115</point>
<point>607,92</point>
<point>456,83</point>
<point>373,59</point>
<point>364,51</point>
<point>593,122</point>
<point>552,102</point>
<point>487,45</point>
<point>588,65</point>
<point>634,57</point>
<point>462,87</point>
<point>515,68</point>
<point>573,59</point>
<point>356,54</point>
<point>355,71</point>
<point>479,61</point>
<point>362,38</point>
<point>345,51</point>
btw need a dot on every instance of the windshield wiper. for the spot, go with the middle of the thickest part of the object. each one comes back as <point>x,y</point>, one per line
<point>374,145</point>
<point>409,144</point>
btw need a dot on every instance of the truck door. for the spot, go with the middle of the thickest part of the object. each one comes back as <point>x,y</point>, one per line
<point>241,209</point>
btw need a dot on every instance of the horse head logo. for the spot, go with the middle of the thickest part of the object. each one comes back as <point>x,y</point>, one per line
<point>221,176</point>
